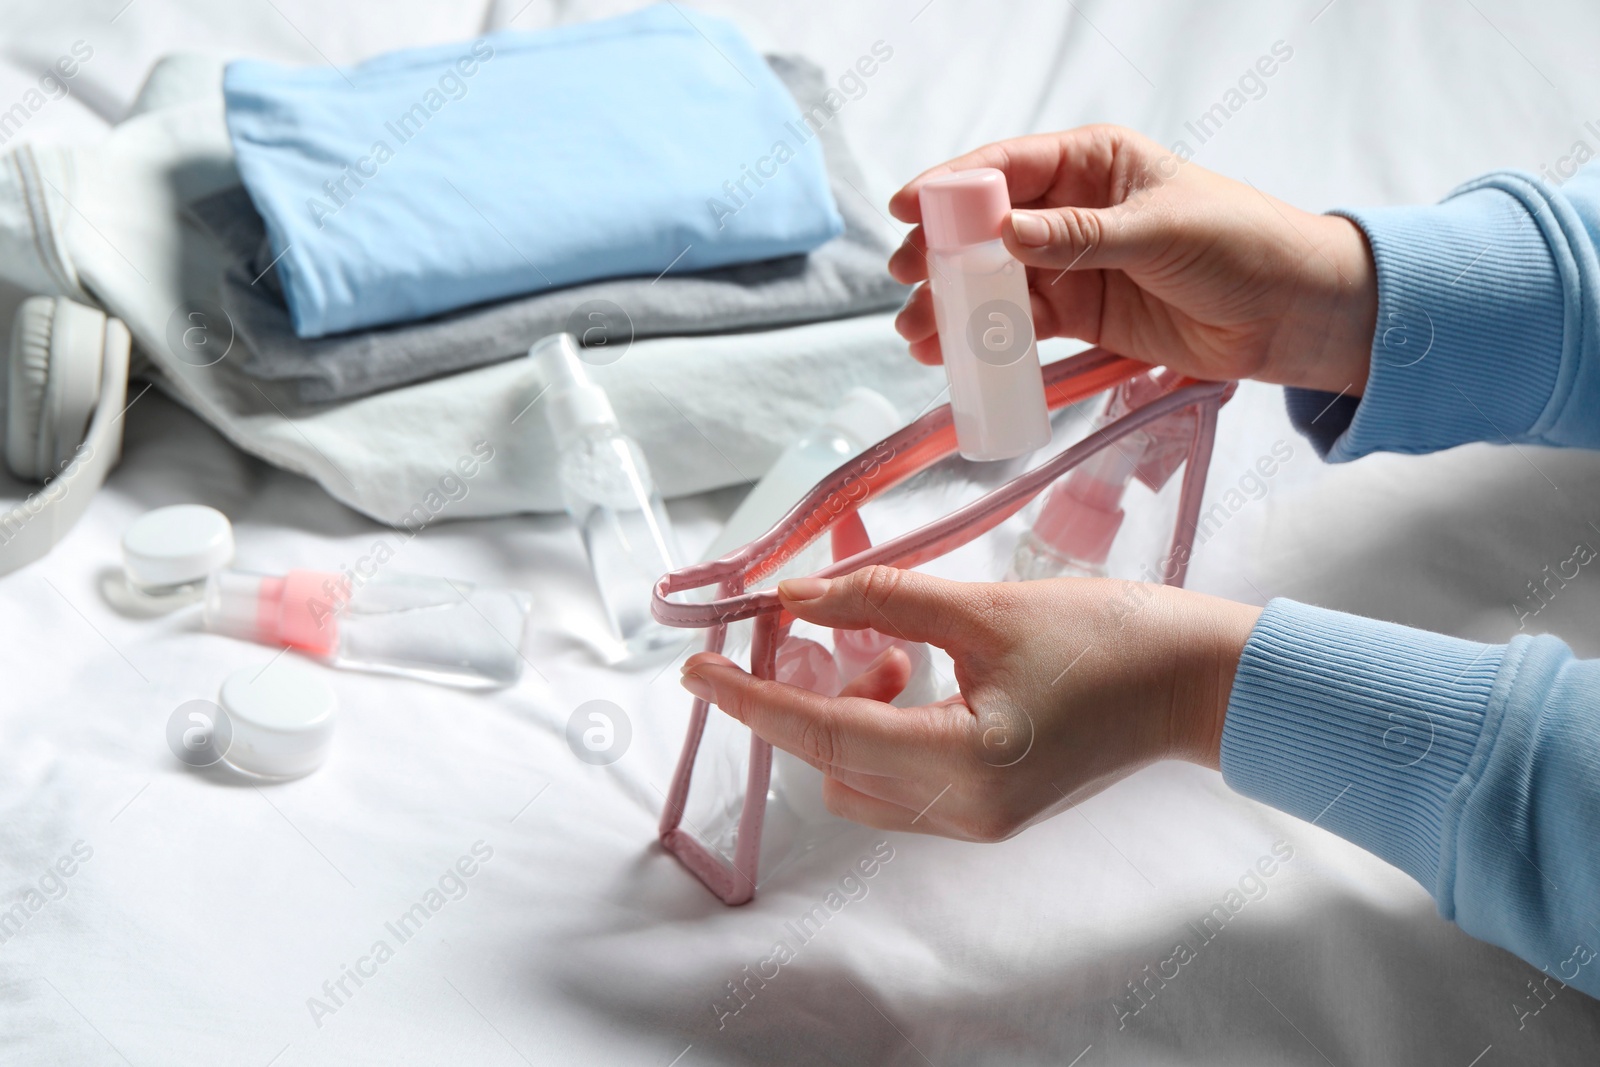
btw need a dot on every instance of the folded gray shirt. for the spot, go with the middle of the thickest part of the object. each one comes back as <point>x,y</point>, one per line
<point>844,277</point>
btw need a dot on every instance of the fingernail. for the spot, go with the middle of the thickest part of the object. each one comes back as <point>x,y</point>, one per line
<point>803,588</point>
<point>1030,228</point>
<point>879,660</point>
<point>699,687</point>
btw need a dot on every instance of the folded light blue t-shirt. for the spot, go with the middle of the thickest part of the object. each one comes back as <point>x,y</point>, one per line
<point>436,178</point>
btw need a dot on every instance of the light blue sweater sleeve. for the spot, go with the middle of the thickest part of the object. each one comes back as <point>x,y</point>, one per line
<point>1474,768</point>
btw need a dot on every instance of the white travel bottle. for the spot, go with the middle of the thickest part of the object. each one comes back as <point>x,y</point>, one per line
<point>804,663</point>
<point>980,303</point>
<point>862,419</point>
<point>606,485</point>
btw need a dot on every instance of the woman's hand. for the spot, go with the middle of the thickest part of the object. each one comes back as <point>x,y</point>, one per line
<point>1066,687</point>
<point>1130,248</point>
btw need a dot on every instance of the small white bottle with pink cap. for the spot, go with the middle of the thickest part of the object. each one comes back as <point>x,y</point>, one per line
<point>980,302</point>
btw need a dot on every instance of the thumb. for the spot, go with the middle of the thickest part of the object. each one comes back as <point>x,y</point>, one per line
<point>1079,238</point>
<point>904,604</point>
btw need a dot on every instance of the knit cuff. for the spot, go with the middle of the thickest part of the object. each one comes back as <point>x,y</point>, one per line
<point>1471,325</point>
<point>1364,728</point>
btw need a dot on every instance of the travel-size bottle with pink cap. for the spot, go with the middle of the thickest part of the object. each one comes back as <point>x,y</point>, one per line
<point>980,303</point>
<point>432,629</point>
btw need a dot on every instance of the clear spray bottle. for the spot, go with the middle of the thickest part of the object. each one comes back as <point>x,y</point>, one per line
<point>981,306</point>
<point>607,488</point>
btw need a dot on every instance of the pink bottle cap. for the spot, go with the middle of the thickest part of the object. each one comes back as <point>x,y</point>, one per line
<point>1081,517</point>
<point>300,609</point>
<point>854,650</point>
<point>964,208</point>
<point>803,662</point>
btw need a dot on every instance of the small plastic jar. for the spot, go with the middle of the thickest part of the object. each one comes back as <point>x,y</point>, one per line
<point>168,553</point>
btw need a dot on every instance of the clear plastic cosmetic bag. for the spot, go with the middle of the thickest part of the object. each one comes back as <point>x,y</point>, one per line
<point>741,824</point>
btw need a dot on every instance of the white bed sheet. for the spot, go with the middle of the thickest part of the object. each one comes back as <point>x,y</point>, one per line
<point>210,912</point>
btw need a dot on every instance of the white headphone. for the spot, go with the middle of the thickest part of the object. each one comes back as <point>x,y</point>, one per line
<point>67,385</point>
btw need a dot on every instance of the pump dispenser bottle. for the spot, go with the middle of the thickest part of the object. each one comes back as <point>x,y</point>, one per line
<point>1072,536</point>
<point>980,303</point>
<point>1082,513</point>
<point>608,491</point>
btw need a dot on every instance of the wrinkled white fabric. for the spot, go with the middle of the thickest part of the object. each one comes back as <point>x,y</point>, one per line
<point>34,201</point>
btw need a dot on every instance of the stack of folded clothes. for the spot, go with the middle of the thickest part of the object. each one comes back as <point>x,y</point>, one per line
<point>439,209</point>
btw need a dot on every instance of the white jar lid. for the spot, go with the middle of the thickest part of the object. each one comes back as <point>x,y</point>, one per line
<point>176,545</point>
<point>282,718</point>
